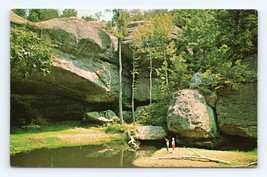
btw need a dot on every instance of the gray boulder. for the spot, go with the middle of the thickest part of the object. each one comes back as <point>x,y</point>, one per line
<point>189,116</point>
<point>101,117</point>
<point>198,80</point>
<point>150,133</point>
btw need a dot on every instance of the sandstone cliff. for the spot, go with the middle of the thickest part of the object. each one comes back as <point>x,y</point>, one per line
<point>84,72</point>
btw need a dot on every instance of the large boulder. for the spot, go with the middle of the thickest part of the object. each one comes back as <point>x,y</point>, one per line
<point>237,111</point>
<point>150,133</point>
<point>101,117</point>
<point>189,116</point>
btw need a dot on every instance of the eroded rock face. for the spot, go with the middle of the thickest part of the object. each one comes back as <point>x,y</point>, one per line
<point>189,116</point>
<point>84,71</point>
<point>150,133</point>
<point>237,111</point>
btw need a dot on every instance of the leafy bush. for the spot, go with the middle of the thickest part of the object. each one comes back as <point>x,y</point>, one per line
<point>156,114</point>
<point>29,53</point>
<point>119,128</point>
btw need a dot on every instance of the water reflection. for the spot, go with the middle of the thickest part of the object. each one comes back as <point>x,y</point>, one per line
<point>86,156</point>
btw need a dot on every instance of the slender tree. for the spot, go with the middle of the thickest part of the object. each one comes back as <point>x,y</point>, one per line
<point>120,23</point>
<point>150,76</point>
<point>133,85</point>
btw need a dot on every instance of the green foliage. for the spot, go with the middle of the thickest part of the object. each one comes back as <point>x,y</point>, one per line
<point>118,128</point>
<point>98,15</point>
<point>136,15</point>
<point>153,12</point>
<point>57,126</point>
<point>120,22</point>
<point>28,53</point>
<point>88,18</point>
<point>155,40</point>
<point>20,12</point>
<point>239,31</point>
<point>95,17</point>
<point>252,152</point>
<point>156,113</point>
<point>158,32</point>
<point>69,13</point>
<point>214,42</point>
<point>36,15</point>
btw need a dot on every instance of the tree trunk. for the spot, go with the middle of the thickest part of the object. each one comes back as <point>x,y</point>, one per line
<point>150,82</point>
<point>121,159</point>
<point>195,158</point>
<point>166,72</point>
<point>120,83</point>
<point>132,142</point>
<point>133,85</point>
<point>150,89</point>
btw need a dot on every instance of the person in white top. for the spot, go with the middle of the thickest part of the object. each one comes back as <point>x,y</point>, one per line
<point>167,144</point>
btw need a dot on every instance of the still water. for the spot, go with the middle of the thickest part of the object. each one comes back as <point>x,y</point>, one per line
<point>85,156</point>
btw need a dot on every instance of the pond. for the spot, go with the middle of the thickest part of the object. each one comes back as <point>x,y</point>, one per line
<point>84,156</point>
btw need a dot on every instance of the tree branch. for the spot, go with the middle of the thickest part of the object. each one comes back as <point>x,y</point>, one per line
<point>195,158</point>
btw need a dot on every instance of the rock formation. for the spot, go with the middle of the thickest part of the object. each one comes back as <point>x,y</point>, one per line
<point>150,133</point>
<point>84,81</point>
<point>84,71</point>
<point>190,117</point>
<point>101,117</point>
<point>237,109</point>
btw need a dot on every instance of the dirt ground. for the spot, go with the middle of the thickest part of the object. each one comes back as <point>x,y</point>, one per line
<point>191,157</point>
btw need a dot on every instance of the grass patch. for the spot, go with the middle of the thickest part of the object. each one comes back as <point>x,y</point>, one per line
<point>119,128</point>
<point>252,152</point>
<point>54,137</point>
<point>56,126</point>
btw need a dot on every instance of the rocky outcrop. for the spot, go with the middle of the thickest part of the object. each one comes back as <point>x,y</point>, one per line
<point>190,117</point>
<point>101,117</point>
<point>198,80</point>
<point>237,111</point>
<point>150,133</point>
<point>84,70</point>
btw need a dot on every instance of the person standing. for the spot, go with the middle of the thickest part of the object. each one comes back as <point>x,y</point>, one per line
<point>173,144</point>
<point>167,144</point>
